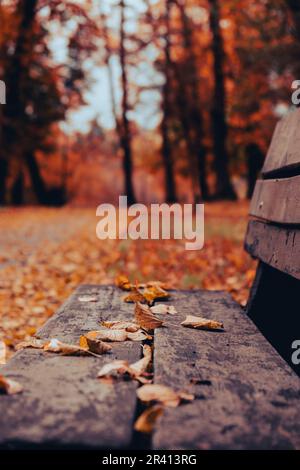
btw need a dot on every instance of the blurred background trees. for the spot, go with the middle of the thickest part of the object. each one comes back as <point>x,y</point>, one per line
<point>171,100</point>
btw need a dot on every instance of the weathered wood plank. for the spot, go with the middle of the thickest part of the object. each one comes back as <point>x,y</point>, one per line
<point>277,246</point>
<point>63,404</point>
<point>248,397</point>
<point>284,151</point>
<point>277,200</point>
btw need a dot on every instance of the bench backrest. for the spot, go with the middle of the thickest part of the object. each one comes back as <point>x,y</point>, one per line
<point>273,237</point>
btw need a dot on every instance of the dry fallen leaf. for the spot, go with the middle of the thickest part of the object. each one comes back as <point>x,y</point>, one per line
<point>94,345</point>
<point>163,309</point>
<point>87,298</point>
<point>31,343</point>
<point>135,296</point>
<point>108,335</point>
<point>202,323</point>
<point>2,352</point>
<point>139,335</point>
<point>145,318</point>
<point>9,386</point>
<point>111,367</point>
<point>162,394</point>
<point>147,420</point>
<point>139,367</point>
<point>123,282</point>
<point>121,325</point>
<point>155,293</point>
<point>159,284</point>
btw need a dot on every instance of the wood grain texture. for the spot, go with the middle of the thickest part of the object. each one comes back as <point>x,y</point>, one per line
<point>284,151</point>
<point>276,246</point>
<point>277,200</point>
<point>247,396</point>
<point>63,404</point>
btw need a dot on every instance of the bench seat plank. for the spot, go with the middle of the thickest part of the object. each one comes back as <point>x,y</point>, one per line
<point>274,245</point>
<point>63,404</point>
<point>249,398</point>
<point>284,151</point>
<point>277,200</point>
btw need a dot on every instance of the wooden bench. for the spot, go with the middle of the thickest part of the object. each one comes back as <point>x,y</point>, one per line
<point>247,395</point>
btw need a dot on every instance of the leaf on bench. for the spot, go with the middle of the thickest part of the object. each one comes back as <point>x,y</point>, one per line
<point>135,371</point>
<point>147,420</point>
<point>87,298</point>
<point>94,345</point>
<point>202,323</point>
<point>135,296</point>
<point>9,386</point>
<point>123,282</point>
<point>145,318</point>
<point>162,394</point>
<point>31,343</point>
<point>163,309</point>
<point>121,325</point>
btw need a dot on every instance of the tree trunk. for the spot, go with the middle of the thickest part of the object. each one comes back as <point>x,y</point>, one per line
<point>193,106</point>
<point>17,192</point>
<point>170,186</point>
<point>3,177</point>
<point>37,181</point>
<point>224,189</point>
<point>125,131</point>
<point>294,6</point>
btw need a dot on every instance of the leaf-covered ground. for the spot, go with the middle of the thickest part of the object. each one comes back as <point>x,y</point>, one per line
<point>46,253</point>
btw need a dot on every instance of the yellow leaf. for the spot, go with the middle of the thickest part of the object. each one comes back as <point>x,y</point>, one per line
<point>123,282</point>
<point>145,318</point>
<point>9,386</point>
<point>147,420</point>
<point>155,293</point>
<point>135,296</point>
<point>202,323</point>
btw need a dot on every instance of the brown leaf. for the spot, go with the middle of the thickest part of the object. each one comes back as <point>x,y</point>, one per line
<point>135,296</point>
<point>2,352</point>
<point>94,345</point>
<point>145,318</point>
<point>139,335</point>
<point>121,325</point>
<point>155,293</point>
<point>31,343</point>
<point>147,420</point>
<point>9,386</point>
<point>162,394</point>
<point>56,346</point>
<point>202,323</point>
<point>113,367</point>
<point>163,309</point>
<point>123,282</point>
<point>139,367</point>
<point>108,335</point>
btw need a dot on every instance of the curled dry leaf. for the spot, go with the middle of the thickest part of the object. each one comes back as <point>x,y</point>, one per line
<point>121,325</point>
<point>145,318</point>
<point>135,296</point>
<point>123,282</point>
<point>155,293</point>
<point>141,366</point>
<point>147,420</point>
<point>139,335</point>
<point>94,345</point>
<point>163,309</point>
<point>135,371</point>
<point>2,352</point>
<point>202,323</point>
<point>108,335</point>
<point>31,343</point>
<point>162,394</point>
<point>9,386</point>
<point>87,298</point>
<point>113,367</point>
